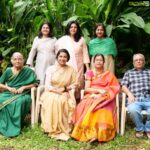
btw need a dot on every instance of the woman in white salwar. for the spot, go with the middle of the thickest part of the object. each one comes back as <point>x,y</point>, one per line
<point>58,102</point>
<point>77,48</point>
<point>43,49</point>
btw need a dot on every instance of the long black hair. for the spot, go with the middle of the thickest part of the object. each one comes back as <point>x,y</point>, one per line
<point>50,28</point>
<point>78,34</point>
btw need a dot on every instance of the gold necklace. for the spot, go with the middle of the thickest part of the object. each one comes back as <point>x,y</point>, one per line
<point>98,74</point>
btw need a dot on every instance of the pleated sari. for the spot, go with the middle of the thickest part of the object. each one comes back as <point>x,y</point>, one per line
<point>57,109</point>
<point>96,118</point>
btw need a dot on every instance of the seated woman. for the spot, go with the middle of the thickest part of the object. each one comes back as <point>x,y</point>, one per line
<point>58,101</point>
<point>95,116</point>
<point>15,100</point>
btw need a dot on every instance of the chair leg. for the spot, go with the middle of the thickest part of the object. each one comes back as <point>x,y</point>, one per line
<point>38,103</point>
<point>37,112</point>
<point>123,113</point>
<point>33,90</point>
<point>123,120</point>
<point>117,105</point>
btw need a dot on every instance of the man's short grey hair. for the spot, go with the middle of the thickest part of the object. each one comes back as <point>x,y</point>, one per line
<point>139,54</point>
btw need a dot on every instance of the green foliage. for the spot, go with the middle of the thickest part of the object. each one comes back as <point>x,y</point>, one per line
<point>128,26</point>
<point>147,28</point>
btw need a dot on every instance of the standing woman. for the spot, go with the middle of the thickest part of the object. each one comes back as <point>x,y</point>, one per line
<point>76,46</point>
<point>104,45</point>
<point>43,47</point>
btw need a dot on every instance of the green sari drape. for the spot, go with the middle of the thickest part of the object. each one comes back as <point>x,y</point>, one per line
<point>14,107</point>
<point>105,46</point>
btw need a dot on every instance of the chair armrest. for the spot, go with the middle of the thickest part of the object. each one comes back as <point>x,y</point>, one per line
<point>40,90</point>
<point>33,89</point>
<point>117,100</point>
<point>123,100</point>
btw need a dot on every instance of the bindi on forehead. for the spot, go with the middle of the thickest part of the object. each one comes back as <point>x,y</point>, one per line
<point>17,57</point>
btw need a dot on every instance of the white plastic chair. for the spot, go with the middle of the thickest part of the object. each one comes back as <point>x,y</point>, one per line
<point>33,103</point>
<point>124,113</point>
<point>117,105</point>
<point>33,97</point>
<point>40,90</point>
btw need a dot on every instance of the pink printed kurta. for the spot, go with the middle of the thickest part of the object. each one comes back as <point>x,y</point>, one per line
<point>78,54</point>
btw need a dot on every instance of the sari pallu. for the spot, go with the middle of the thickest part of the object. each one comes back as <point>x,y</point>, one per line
<point>14,107</point>
<point>96,118</point>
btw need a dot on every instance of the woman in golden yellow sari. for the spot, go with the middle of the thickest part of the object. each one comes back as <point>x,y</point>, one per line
<point>58,99</point>
<point>95,116</point>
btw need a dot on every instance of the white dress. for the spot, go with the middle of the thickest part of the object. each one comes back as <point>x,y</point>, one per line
<point>43,49</point>
<point>78,54</point>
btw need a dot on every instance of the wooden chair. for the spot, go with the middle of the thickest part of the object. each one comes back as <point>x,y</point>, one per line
<point>124,113</point>
<point>117,105</point>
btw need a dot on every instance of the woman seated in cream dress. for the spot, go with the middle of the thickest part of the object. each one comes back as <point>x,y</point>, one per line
<point>58,101</point>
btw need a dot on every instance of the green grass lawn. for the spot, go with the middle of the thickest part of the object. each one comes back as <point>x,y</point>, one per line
<point>35,139</point>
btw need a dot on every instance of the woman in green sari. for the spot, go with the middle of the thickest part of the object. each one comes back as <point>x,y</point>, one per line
<point>103,45</point>
<point>15,99</point>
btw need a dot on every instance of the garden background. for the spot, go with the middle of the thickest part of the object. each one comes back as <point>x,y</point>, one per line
<point>128,23</point>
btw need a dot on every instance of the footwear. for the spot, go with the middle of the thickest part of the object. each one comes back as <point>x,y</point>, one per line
<point>148,135</point>
<point>93,140</point>
<point>139,134</point>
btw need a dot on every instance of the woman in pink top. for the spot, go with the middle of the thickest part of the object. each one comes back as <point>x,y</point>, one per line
<point>77,48</point>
